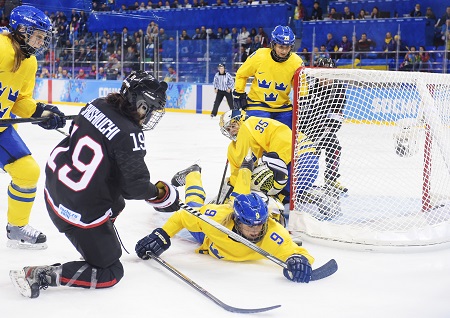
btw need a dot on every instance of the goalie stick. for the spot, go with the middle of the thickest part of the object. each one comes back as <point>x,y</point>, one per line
<point>323,271</point>
<point>12,121</point>
<point>204,292</point>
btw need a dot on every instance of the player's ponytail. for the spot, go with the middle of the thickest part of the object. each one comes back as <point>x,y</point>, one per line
<point>18,55</point>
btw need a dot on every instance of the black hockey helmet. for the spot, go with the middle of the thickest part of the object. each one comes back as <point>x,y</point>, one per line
<point>146,95</point>
<point>326,62</point>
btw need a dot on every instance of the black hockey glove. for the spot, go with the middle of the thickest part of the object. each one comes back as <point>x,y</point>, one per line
<point>169,202</point>
<point>156,242</point>
<point>239,100</point>
<point>56,117</point>
<point>298,269</point>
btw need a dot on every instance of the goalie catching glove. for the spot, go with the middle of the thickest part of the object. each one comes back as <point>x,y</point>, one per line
<point>168,201</point>
<point>156,242</point>
<point>239,100</point>
<point>279,169</point>
<point>56,118</point>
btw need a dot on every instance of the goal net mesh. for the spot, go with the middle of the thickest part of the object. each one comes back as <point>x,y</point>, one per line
<point>383,143</point>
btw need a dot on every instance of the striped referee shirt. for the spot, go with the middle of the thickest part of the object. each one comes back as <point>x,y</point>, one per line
<point>222,82</point>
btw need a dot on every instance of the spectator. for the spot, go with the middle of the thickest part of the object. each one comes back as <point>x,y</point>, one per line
<point>364,45</point>
<point>197,35</point>
<point>242,36</point>
<point>240,57</point>
<point>257,44</point>
<point>389,45</point>
<point>416,12</point>
<point>253,33</point>
<point>411,61</point>
<point>300,14</point>
<point>305,56</point>
<point>81,74</point>
<point>375,13</point>
<point>127,40</point>
<point>400,45</point>
<point>219,34</point>
<point>45,73</point>
<point>264,37</point>
<point>131,58</point>
<point>92,72</point>
<point>317,13</point>
<point>430,15</point>
<point>345,48</point>
<point>186,4</point>
<point>101,75</point>
<point>331,45</point>
<point>332,14</point>
<point>184,35</point>
<point>171,75</point>
<point>424,60</point>
<point>348,15</point>
<point>65,74</point>
<point>361,15</point>
<point>195,4</point>
<point>241,3</point>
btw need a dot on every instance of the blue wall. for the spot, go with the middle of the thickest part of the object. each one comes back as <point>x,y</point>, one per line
<point>266,16</point>
<point>413,31</point>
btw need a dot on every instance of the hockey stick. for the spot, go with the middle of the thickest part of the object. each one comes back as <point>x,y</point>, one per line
<point>12,121</point>
<point>325,270</point>
<point>204,292</point>
<point>223,179</point>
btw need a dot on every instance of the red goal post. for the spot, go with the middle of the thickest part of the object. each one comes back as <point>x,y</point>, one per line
<point>394,159</point>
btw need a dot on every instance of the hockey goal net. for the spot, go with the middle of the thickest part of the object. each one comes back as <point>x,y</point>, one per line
<point>394,158</point>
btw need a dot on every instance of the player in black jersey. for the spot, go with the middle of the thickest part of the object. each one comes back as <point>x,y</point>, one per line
<point>320,118</point>
<point>88,176</point>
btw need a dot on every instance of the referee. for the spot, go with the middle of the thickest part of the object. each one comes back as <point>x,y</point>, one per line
<point>223,86</point>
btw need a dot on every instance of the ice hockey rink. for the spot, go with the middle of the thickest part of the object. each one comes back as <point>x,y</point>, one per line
<point>368,284</point>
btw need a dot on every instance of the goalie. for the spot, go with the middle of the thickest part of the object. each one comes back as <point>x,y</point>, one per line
<point>270,142</point>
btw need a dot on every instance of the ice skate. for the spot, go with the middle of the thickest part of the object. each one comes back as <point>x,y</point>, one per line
<point>336,186</point>
<point>25,237</point>
<point>31,279</point>
<point>179,179</point>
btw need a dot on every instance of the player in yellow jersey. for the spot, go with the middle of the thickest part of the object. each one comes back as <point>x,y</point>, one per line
<point>270,142</point>
<point>273,71</point>
<point>247,215</point>
<point>29,34</point>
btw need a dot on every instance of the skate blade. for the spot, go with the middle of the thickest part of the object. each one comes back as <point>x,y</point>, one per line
<point>25,246</point>
<point>20,283</point>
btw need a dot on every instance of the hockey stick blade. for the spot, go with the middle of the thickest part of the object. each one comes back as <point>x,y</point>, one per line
<point>204,292</point>
<point>327,269</point>
<point>12,121</point>
<point>324,271</point>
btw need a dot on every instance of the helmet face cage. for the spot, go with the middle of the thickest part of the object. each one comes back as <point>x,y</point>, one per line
<point>32,28</point>
<point>229,119</point>
<point>282,35</point>
<point>326,62</point>
<point>148,95</point>
<point>250,210</point>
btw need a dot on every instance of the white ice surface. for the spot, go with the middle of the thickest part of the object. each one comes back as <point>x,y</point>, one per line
<point>367,284</point>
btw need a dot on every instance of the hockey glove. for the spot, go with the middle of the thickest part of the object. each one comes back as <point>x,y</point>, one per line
<point>279,169</point>
<point>56,117</point>
<point>298,269</point>
<point>169,202</point>
<point>156,242</point>
<point>262,179</point>
<point>239,100</point>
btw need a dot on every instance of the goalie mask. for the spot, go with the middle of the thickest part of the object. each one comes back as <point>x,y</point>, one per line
<point>250,216</point>
<point>230,122</point>
<point>285,39</point>
<point>326,62</point>
<point>31,28</point>
<point>147,97</point>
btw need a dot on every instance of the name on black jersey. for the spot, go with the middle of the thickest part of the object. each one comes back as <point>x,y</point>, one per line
<point>100,121</point>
